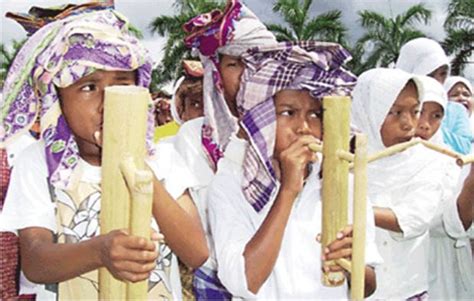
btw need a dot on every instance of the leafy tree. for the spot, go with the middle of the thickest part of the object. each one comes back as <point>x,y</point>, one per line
<point>296,13</point>
<point>459,26</point>
<point>385,36</point>
<point>171,27</point>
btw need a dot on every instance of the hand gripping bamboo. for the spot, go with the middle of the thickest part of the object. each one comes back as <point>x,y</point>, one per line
<point>124,132</point>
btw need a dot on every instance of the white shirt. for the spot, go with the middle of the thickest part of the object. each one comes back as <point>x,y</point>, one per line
<point>404,272</point>
<point>29,204</point>
<point>233,221</point>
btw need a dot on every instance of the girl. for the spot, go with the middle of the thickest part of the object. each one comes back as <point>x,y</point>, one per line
<point>450,275</point>
<point>423,56</point>
<point>404,188</point>
<point>460,90</point>
<point>55,187</point>
<point>264,202</point>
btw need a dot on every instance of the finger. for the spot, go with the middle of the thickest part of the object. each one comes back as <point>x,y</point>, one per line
<point>346,231</point>
<point>133,277</point>
<point>318,237</point>
<point>157,236</point>
<point>339,244</point>
<point>342,253</point>
<point>141,243</point>
<point>332,268</point>
<point>135,267</point>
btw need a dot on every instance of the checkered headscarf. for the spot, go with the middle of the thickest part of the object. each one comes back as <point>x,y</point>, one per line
<point>313,66</point>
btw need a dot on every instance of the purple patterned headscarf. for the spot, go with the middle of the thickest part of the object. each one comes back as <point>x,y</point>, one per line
<point>56,56</point>
<point>313,66</point>
<point>230,32</point>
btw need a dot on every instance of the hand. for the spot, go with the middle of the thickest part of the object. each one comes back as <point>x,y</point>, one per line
<point>294,163</point>
<point>341,247</point>
<point>128,258</point>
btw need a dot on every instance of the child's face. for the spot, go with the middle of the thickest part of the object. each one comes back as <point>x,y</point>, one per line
<point>297,114</point>
<point>163,112</point>
<point>430,120</point>
<point>440,74</point>
<point>231,69</point>
<point>82,107</point>
<point>460,93</point>
<point>192,107</point>
<point>401,121</point>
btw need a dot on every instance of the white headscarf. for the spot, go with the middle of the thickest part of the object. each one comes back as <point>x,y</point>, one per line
<point>421,56</point>
<point>433,91</point>
<point>174,108</point>
<point>375,92</point>
<point>453,80</point>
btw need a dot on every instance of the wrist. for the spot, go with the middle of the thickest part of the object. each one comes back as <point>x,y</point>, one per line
<point>288,193</point>
<point>97,246</point>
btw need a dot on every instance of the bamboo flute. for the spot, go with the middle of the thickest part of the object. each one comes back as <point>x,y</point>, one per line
<point>335,176</point>
<point>359,218</point>
<point>124,132</point>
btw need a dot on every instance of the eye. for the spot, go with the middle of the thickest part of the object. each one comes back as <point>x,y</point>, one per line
<point>394,112</point>
<point>316,114</point>
<point>438,115</point>
<point>196,104</point>
<point>88,87</point>
<point>287,113</point>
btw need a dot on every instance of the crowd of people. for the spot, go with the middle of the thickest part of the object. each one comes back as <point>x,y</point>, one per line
<point>237,189</point>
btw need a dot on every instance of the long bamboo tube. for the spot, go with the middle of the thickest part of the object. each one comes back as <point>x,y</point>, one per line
<point>124,130</point>
<point>335,176</point>
<point>442,150</point>
<point>140,184</point>
<point>391,150</point>
<point>463,160</point>
<point>359,218</point>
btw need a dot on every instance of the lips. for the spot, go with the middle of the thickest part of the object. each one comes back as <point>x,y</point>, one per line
<point>404,139</point>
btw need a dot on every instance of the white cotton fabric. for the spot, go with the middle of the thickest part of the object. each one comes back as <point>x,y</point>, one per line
<point>174,108</point>
<point>408,183</point>
<point>453,80</point>
<point>433,91</point>
<point>297,271</point>
<point>29,204</point>
<point>421,56</point>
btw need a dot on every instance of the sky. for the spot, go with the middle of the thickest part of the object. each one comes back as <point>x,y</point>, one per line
<point>142,12</point>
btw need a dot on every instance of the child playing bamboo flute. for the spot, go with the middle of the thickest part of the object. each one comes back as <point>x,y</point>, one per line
<point>404,188</point>
<point>265,200</point>
<point>53,201</point>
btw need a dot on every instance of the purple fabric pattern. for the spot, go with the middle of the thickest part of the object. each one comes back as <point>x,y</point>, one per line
<point>56,56</point>
<point>313,66</point>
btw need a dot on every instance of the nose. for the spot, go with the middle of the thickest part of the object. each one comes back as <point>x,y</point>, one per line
<point>423,124</point>
<point>303,127</point>
<point>408,122</point>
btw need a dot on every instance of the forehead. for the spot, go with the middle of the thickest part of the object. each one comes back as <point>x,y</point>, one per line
<point>459,86</point>
<point>408,96</point>
<point>295,98</point>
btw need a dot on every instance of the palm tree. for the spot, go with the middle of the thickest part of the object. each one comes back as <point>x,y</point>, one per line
<point>171,27</point>
<point>7,56</point>
<point>459,26</point>
<point>325,27</point>
<point>387,35</point>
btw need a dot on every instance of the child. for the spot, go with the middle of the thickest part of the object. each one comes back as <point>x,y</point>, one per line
<point>404,188</point>
<point>60,74</point>
<point>162,108</point>
<point>187,101</point>
<point>264,202</point>
<point>220,37</point>
<point>460,90</point>
<point>450,275</point>
<point>423,56</point>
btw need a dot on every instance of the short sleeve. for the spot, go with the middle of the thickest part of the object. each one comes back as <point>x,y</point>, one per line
<point>28,202</point>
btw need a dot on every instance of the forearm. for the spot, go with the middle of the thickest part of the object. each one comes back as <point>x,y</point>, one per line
<point>370,281</point>
<point>386,219</point>
<point>262,250</point>
<point>46,262</point>
<point>183,233</point>
<point>465,202</point>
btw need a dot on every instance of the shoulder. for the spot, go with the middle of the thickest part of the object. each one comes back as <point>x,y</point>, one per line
<point>32,158</point>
